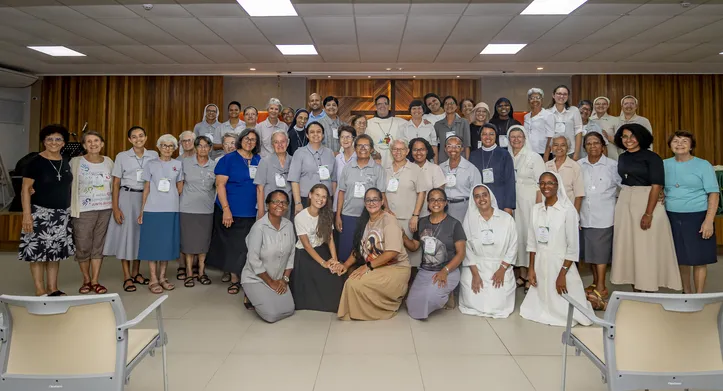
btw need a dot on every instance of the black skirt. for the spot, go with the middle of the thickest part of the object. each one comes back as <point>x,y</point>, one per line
<point>228,249</point>
<point>690,247</point>
<point>314,287</point>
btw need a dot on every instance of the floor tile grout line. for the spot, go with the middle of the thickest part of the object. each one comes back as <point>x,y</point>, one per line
<point>524,373</point>
<point>498,336</point>
<point>230,352</point>
<point>323,352</point>
<point>416,354</point>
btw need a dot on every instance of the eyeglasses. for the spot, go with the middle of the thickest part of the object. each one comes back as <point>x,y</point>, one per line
<point>415,150</point>
<point>229,144</point>
<point>187,141</point>
<point>437,200</point>
<point>54,139</point>
<point>346,137</point>
<point>279,202</point>
<point>562,94</point>
<point>399,149</point>
<point>547,184</point>
<point>450,103</point>
<point>372,200</point>
<point>249,140</point>
<point>536,97</point>
<point>167,146</point>
<point>364,146</point>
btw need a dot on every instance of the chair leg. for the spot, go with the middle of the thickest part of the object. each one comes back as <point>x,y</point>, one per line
<point>165,369</point>
<point>564,364</point>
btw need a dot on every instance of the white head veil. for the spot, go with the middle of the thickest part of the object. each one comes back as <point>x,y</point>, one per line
<point>622,113</point>
<point>203,117</point>
<point>521,128</point>
<point>471,221</point>
<point>562,198</point>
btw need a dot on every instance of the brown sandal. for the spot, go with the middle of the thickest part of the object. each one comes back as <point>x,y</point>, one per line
<point>85,288</point>
<point>167,285</point>
<point>99,289</point>
<point>155,288</point>
<point>597,301</point>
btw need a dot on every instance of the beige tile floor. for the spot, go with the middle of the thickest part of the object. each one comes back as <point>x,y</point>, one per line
<point>217,345</point>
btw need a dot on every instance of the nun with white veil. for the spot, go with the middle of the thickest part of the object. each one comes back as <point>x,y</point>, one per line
<point>552,241</point>
<point>528,168</point>
<point>487,283</point>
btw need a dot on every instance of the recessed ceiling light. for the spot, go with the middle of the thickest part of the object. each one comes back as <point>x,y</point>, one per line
<point>369,77</point>
<point>389,69</point>
<point>400,69</point>
<point>252,69</point>
<point>268,7</point>
<point>503,48</point>
<point>540,68</point>
<point>457,76</point>
<point>552,7</point>
<point>329,77</point>
<point>414,76</point>
<point>57,51</point>
<point>720,53</point>
<point>297,50</point>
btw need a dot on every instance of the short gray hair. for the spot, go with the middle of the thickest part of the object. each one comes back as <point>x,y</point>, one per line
<point>167,139</point>
<point>400,140</point>
<point>281,132</point>
<point>535,90</point>
<point>234,136</point>
<point>274,101</point>
<point>567,144</point>
<point>185,132</point>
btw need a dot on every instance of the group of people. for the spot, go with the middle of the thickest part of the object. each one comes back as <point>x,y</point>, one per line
<point>453,207</point>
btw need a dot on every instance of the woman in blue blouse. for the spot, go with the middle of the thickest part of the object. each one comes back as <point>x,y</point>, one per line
<point>691,200</point>
<point>236,207</point>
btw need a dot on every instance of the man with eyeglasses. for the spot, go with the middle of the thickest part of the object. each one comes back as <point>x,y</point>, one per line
<point>187,149</point>
<point>383,128</point>
<point>210,127</point>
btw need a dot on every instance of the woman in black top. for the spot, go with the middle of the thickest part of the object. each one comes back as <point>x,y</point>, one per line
<point>503,120</point>
<point>643,252</point>
<point>297,132</point>
<point>47,235</point>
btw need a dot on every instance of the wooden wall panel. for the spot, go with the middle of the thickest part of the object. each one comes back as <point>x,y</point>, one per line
<point>112,104</point>
<point>670,102</point>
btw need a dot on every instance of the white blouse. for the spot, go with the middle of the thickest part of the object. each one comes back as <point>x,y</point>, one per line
<point>528,168</point>
<point>539,128</point>
<point>568,123</point>
<point>602,182</point>
<point>503,246</point>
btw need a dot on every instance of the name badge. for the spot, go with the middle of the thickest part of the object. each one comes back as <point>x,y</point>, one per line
<point>504,142</point>
<point>280,180</point>
<point>488,176</point>
<point>164,185</point>
<point>543,234</point>
<point>252,171</point>
<point>430,245</point>
<point>488,236</point>
<point>479,144</point>
<point>559,127</point>
<point>359,190</point>
<point>393,185</point>
<point>451,180</point>
<point>324,174</point>
<point>335,133</point>
<point>139,175</point>
<point>449,134</point>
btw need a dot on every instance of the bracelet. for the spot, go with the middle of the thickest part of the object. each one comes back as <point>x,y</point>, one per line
<point>298,203</point>
<point>415,215</point>
<point>447,269</point>
<point>225,207</point>
<point>647,214</point>
<point>504,266</point>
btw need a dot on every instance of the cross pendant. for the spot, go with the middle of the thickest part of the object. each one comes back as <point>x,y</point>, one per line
<point>59,177</point>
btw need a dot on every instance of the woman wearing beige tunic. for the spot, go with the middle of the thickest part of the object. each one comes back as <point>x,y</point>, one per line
<point>375,289</point>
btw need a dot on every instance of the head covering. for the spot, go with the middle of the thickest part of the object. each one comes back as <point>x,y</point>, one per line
<point>496,115</point>
<point>203,117</point>
<point>481,105</point>
<point>525,148</point>
<point>292,125</point>
<point>605,98</point>
<point>562,198</point>
<point>471,224</point>
<point>622,113</point>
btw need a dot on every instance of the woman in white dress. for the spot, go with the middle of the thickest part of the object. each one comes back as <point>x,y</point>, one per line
<point>528,168</point>
<point>487,283</point>
<point>552,240</point>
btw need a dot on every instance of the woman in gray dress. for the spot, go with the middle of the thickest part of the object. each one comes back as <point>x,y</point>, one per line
<point>273,172</point>
<point>271,249</point>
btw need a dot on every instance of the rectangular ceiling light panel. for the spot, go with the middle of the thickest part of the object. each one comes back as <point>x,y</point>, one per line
<point>552,7</point>
<point>57,51</point>
<point>297,50</point>
<point>268,7</point>
<point>503,48</point>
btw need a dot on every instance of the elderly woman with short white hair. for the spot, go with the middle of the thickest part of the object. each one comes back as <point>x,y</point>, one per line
<point>271,125</point>
<point>229,144</point>
<point>539,124</point>
<point>159,219</point>
<point>186,138</point>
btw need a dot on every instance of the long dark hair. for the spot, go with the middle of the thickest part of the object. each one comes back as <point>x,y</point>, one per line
<point>326,215</point>
<point>361,225</point>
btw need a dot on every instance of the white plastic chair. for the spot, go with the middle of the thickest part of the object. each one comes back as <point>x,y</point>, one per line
<point>74,343</point>
<point>652,341</point>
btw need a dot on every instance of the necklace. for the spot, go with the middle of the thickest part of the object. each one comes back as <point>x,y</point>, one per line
<point>60,167</point>
<point>387,137</point>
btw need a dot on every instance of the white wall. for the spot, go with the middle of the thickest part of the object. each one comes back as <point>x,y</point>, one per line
<point>15,138</point>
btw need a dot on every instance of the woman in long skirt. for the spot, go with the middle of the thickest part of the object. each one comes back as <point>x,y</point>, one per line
<point>488,281</point>
<point>553,242</point>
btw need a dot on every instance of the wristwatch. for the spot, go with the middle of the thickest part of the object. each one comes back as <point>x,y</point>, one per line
<point>369,265</point>
<point>566,267</point>
<point>504,266</point>
<point>286,279</point>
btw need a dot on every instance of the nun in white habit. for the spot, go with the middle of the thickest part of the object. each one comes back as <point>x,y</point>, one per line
<point>552,241</point>
<point>487,283</point>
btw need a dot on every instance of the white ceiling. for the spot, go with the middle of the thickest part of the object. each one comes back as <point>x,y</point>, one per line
<point>356,38</point>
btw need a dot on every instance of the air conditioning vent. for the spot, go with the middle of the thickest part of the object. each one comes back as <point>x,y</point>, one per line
<point>14,79</point>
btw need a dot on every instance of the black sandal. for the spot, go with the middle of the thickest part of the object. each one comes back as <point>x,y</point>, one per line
<point>188,282</point>
<point>204,280</point>
<point>143,281</point>
<point>181,273</point>
<point>234,288</point>
<point>521,282</point>
<point>247,303</point>
<point>57,293</point>
<point>129,287</point>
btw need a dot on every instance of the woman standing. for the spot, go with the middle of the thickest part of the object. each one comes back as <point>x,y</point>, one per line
<point>236,207</point>
<point>503,120</point>
<point>460,176</point>
<point>47,236</point>
<point>528,168</point>
<point>488,281</point>
<point>434,112</point>
<point>643,251</point>
<point>607,123</point>
<point>273,172</point>
<point>539,124</point>
<point>452,125</point>
<point>376,288</point>
<point>361,174</point>
<point>265,276</point>
<point>331,123</point>
<point>316,281</point>
<point>585,108</point>
<point>251,116</point>
<point>297,132</point>
<point>691,199</point>
<point>602,183</point>
<point>91,205</point>
<point>422,153</point>
<point>199,191</point>
<point>347,134</point>
<point>359,122</point>
<point>568,122</point>
<point>569,170</point>
<point>442,240</point>
<point>497,167</point>
<point>466,109</point>
<point>159,219</point>
<point>629,113</point>
<point>234,123</point>
<point>313,164</point>
<point>124,233</point>
<point>480,116</point>
<point>552,240</point>
<point>287,115</point>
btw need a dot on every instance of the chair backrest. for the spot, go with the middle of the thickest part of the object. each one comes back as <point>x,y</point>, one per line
<point>664,335</point>
<point>61,337</point>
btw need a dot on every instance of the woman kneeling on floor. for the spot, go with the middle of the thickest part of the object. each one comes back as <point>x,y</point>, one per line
<point>265,276</point>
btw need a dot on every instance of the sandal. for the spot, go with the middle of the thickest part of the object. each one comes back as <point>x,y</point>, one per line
<point>204,280</point>
<point>155,288</point>
<point>226,277</point>
<point>99,289</point>
<point>85,288</point>
<point>129,287</point>
<point>167,285</point>
<point>143,281</point>
<point>247,303</point>
<point>597,301</point>
<point>234,288</point>
<point>188,282</point>
<point>57,293</point>
<point>521,282</point>
<point>590,288</point>
<point>181,273</point>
